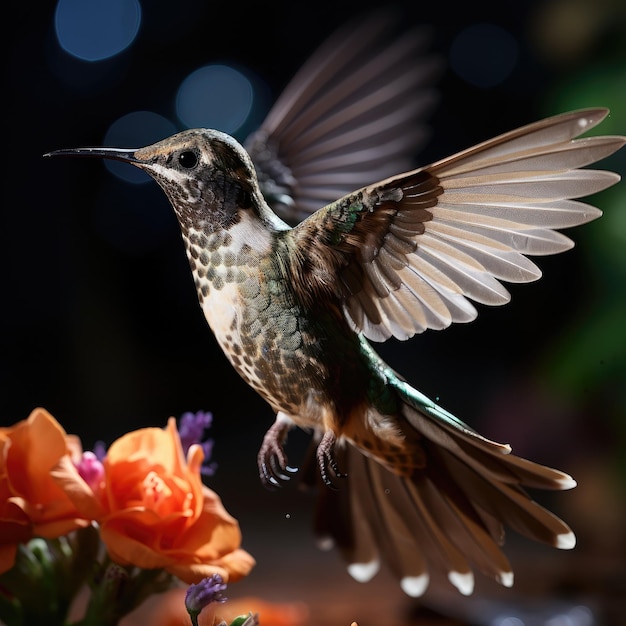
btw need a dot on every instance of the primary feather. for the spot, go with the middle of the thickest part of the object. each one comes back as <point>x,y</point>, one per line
<point>411,250</point>
<point>353,113</point>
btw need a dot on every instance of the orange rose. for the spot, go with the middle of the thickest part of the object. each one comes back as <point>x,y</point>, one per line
<point>158,514</point>
<point>31,502</point>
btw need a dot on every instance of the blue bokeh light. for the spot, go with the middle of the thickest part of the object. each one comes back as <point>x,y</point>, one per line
<point>484,55</point>
<point>135,130</point>
<point>215,96</point>
<point>93,30</point>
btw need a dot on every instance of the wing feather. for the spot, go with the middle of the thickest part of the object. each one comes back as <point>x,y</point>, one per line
<point>352,114</point>
<point>557,214</point>
<point>412,249</point>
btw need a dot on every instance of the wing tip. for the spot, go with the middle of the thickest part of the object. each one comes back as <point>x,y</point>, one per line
<point>588,118</point>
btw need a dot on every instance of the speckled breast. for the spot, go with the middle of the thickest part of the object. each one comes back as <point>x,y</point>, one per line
<point>262,330</point>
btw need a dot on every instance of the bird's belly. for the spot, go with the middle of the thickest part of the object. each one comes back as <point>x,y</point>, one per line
<point>271,351</point>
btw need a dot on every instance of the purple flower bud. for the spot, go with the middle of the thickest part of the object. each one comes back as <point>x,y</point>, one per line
<point>191,427</point>
<point>206,591</point>
<point>100,450</point>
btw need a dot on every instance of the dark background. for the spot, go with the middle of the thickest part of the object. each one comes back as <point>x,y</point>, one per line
<point>100,321</point>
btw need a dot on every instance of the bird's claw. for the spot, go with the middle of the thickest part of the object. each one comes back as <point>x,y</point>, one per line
<point>272,460</point>
<point>326,460</point>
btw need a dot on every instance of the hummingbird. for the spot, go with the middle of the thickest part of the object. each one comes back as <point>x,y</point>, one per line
<point>301,260</point>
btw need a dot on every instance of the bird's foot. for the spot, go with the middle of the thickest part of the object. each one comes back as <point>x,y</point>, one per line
<point>326,459</point>
<point>272,460</point>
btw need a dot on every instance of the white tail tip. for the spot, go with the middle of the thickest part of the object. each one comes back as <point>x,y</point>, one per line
<point>566,541</point>
<point>463,582</point>
<point>364,572</point>
<point>415,586</point>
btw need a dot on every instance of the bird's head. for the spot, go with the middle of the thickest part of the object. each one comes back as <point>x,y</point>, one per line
<point>206,174</point>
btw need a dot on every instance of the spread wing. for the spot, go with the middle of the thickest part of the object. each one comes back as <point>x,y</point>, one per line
<point>352,114</point>
<point>410,252</point>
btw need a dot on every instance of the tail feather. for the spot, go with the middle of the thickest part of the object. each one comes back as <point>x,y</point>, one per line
<point>496,478</point>
<point>484,455</point>
<point>392,529</point>
<point>343,517</point>
<point>448,516</point>
<point>435,532</point>
<point>508,503</point>
<point>480,536</point>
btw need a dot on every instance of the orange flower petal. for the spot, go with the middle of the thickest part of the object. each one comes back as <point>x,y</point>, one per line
<point>66,476</point>
<point>153,446</point>
<point>131,542</point>
<point>157,512</point>
<point>237,563</point>
<point>193,573</point>
<point>231,567</point>
<point>215,531</point>
<point>37,443</point>
<point>30,450</point>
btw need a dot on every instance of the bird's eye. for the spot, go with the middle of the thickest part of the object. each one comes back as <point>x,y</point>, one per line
<point>188,159</point>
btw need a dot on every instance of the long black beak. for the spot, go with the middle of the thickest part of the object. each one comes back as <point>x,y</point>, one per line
<point>118,154</point>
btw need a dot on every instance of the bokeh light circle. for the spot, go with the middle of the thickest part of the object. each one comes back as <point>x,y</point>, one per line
<point>93,30</point>
<point>484,55</point>
<point>215,96</point>
<point>135,130</point>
